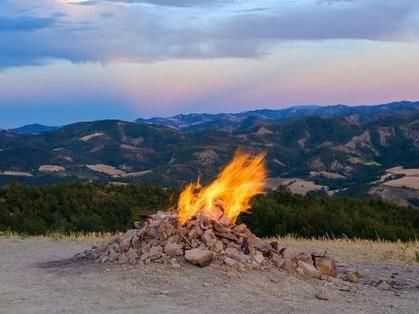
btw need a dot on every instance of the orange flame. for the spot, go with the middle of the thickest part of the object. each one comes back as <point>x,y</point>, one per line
<point>229,194</point>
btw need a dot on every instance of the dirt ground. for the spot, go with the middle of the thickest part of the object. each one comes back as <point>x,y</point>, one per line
<point>37,277</point>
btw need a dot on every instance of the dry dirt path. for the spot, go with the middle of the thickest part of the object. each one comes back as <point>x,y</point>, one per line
<point>31,283</point>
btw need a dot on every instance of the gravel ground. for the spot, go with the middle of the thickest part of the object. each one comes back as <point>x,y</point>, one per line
<point>37,277</point>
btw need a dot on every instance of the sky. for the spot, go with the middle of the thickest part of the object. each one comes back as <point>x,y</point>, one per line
<point>63,61</point>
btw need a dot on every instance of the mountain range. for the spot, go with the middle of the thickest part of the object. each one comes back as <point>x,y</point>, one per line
<point>231,121</point>
<point>34,128</point>
<point>242,120</point>
<point>335,149</point>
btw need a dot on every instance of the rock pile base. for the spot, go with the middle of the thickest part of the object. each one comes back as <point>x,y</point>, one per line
<point>202,241</point>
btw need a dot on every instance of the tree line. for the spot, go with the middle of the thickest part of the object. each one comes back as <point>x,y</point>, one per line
<point>77,207</point>
<point>82,207</point>
<point>282,213</point>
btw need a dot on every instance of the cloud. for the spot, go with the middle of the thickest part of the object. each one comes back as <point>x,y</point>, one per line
<point>169,3</point>
<point>334,19</point>
<point>188,29</point>
<point>24,23</point>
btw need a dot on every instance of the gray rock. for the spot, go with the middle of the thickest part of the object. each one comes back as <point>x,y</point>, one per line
<point>309,270</point>
<point>384,286</point>
<point>155,253</point>
<point>229,261</point>
<point>242,228</point>
<point>104,259</point>
<point>164,292</point>
<point>259,258</point>
<point>237,255</point>
<point>136,242</point>
<point>195,232</point>
<point>123,259</point>
<point>322,295</point>
<point>113,256</point>
<point>200,257</point>
<point>278,261</point>
<point>326,265</point>
<point>219,246</point>
<point>126,240</point>
<point>116,248</point>
<point>209,238</point>
<point>345,288</point>
<point>166,230</point>
<point>173,249</point>
<point>125,244</point>
<point>263,245</point>
<point>353,276</point>
<point>289,265</point>
<point>132,255</point>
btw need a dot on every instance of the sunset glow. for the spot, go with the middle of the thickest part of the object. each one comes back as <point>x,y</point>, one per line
<point>129,59</point>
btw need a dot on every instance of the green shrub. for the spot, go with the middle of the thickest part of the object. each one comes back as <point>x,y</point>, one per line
<point>81,207</point>
<point>281,213</point>
<point>77,207</point>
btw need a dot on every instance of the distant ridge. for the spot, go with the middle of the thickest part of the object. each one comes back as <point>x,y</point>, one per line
<point>198,121</point>
<point>34,128</point>
<point>246,119</point>
<point>336,149</point>
<point>339,149</point>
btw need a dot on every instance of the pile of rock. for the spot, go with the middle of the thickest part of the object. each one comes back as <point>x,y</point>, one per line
<point>202,241</point>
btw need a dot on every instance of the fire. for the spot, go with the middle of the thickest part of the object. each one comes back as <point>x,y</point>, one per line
<point>229,194</point>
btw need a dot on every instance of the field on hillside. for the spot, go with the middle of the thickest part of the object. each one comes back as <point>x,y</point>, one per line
<point>399,185</point>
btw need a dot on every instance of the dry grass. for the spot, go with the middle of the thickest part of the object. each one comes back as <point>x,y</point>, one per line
<point>107,169</point>
<point>51,168</point>
<point>91,238</point>
<point>16,174</point>
<point>341,249</point>
<point>295,185</point>
<point>405,182</point>
<point>357,249</point>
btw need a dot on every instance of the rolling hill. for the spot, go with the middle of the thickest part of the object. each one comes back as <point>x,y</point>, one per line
<point>339,150</point>
<point>231,121</point>
<point>34,128</point>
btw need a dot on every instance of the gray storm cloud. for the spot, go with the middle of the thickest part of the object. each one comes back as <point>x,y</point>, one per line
<point>177,31</point>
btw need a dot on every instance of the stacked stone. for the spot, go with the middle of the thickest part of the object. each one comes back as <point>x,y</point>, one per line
<point>203,241</point>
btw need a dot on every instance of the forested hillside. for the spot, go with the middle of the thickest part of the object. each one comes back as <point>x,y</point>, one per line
<point>93,207</point>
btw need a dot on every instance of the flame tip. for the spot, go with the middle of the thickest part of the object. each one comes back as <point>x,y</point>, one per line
<point>230,193</point>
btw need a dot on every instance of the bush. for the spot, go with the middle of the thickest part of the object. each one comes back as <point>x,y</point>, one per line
<point>81,207</point>
<point>77,207</point>
<point>281,213</point>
